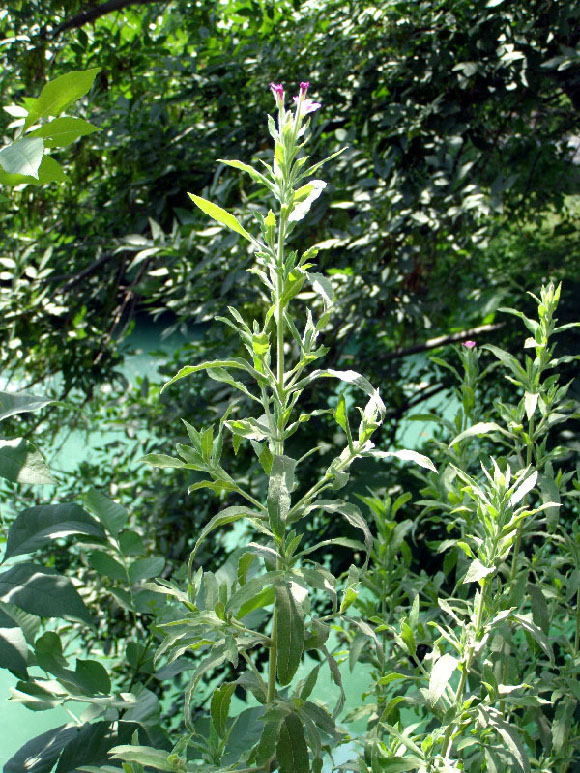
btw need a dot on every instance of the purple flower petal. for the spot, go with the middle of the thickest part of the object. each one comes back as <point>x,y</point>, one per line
<point>308,105</point>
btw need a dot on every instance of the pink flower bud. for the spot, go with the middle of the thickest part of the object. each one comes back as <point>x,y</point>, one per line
<point>469,344</point>
<point>304,88</point>
<point>278,91</point>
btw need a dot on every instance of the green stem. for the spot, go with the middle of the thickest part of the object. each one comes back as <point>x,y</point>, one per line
<point>458,699</point>
<point>577,635</point>
<point>529,457</point>
<point>272,664</point>
<point>258,675</point>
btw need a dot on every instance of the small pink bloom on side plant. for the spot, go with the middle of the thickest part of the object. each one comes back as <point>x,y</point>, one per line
<point>469,344</point>
<point>304,88</point>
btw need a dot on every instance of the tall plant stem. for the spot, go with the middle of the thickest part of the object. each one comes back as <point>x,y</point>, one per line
<point>529,457</point>
<point>279,411</point>
<point>470,649</point>
<point>577,634</point>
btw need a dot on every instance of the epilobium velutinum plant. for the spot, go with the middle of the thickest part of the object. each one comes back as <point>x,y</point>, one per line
<point>474,664</point>
<point>494,657</point>
<point>266,600</point>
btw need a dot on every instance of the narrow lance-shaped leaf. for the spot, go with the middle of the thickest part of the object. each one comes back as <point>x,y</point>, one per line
<point>233,362</point>
<point>220,707</point>
<point>291,749</point>
<point>254,174</point>
<point>280,488</point>
<point>348,377</point>
<point>290,625</point>
<point>144,755</point>
<point>440,676</point>
<point>406,455</point>
<point>229,515</point>
<point>219,214</point>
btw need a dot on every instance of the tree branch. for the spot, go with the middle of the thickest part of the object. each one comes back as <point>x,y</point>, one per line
<point>92,14</point>
<point>433,343</point>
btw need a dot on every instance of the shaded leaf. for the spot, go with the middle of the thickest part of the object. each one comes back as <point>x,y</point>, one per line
<point>41,591</point>
<point>38,526</point>
<point>112,515</point>
<point>22,462</point>
<point>291,750</point>
<point>290,638</point>
<point>13,648</point>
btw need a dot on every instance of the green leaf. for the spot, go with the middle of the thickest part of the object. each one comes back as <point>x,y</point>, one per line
<point>112,515</point>
<point>540,611</point>
<point>340,414</point>
<point>93,677</point>
<point>144,755</point>
<point>23,157</point>
<point>41,591</point>
<point>477,571</point>
<point>266,748</point>
<point>351,513</point>
<point>224,517</point>
<point>219,214</point>
<point>40,754</point>
<point>481,428</point>
<point>63,131</point>
<point>145,568</point>
<point>347,377</point>
<point>13,648</point>
<point>407,456</point>
<point>291,750</point>
<point>304,197</point>
<point>251,589</point>
<point>563,723</point>
<point>440,676</point>
<point>254,174</point>
<point>290,628</point>
<point>58,94</point>
<point>38,526</point>
<point>238,363</point>
<point>510,362</point>
<point>220,707</point>
<point>162,460</point>
<point>50,171</point>
<point>280,487</point>
<point>528,625</point>
<point>309,683</point>
<point>262,599</point>
<point>22,462</point>
<point>512,740</point>
<point>106,565</point>
<point>337,679</point>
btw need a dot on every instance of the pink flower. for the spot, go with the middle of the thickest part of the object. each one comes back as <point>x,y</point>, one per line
<point>469,344</point>
<point>308,105</point>
<point>304,88</point>
<point>278,91</point>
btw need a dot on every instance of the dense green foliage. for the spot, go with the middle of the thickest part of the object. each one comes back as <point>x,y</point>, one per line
<point>457,192</point>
